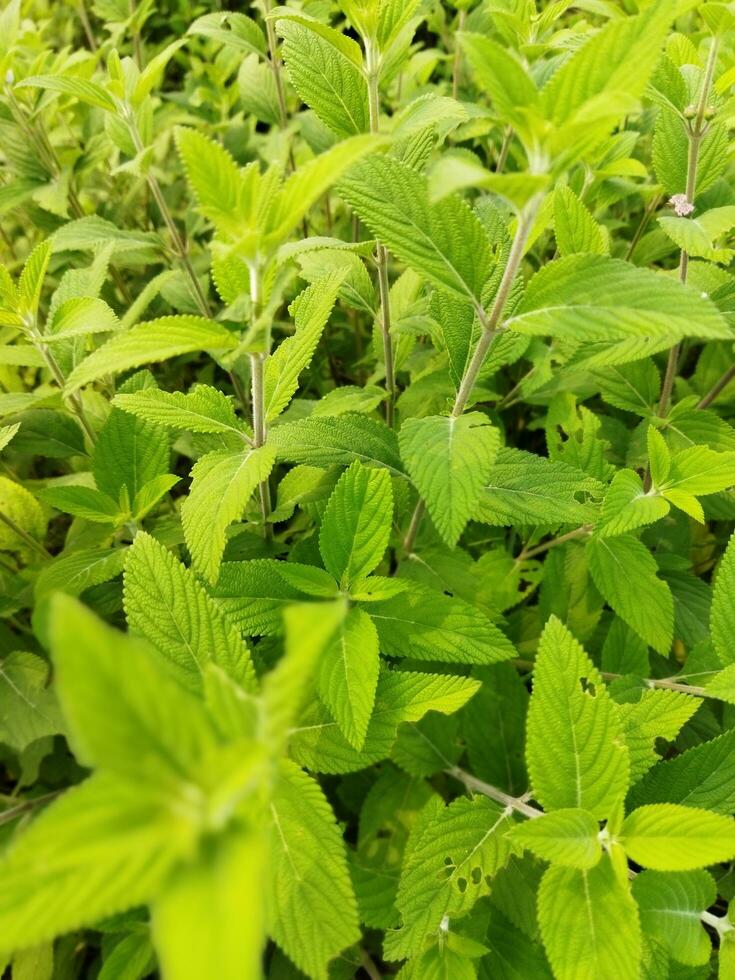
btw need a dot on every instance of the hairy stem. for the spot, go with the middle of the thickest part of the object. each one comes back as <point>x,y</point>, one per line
<point>716,388</point>
<point>491,326</point>
<point>663,683</point>
<point>578,532</point>
<point>25,536</point>
<point>180,248</point>
<point>515,803</point>
<point>695,134</point>
<point>76,400</point>
<point>457,63</point>
<point>381,255</point>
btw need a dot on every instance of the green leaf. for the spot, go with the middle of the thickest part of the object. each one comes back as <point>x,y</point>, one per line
<point>627,506</point>
<point>309,901</point>
<point>310,311</point>
<point>129,453</point>
<point>401,696</point>
<point>23,509</point>
<point>669,837</point>
<point>153,728</point>
<point>348,675</point>
<point>575,229</point>
<point>589,924</point>
<point>166,604</point>
<point>103,847</point>
<point>32,277</point>
<point>670,906</point>
<point>234,29</point>
<point>337,442</point>
<point>502,76</point>
<point>696,236</point>
<point>254,594</point>
<point>307,184</point>
<point>450,461</point>
<point>88,92</point>
<point>209,917</point>
<point>203,409</point>
<point>595,298</point>
<point>86,502</point>
<point>357,523</point>
<point>80,317</point>
<point>625,572</point>
<point>575,750</point>
<point>699,471</point>
<point>77,571</point>
<point>145,343</point>
<point>28,706</point>
<point>566,837</point>
<point>327,81</point>
<point>658,714</point>
<point>222,189</point>
<point>526,489</point>
<point>427,625</point>
<point>445,241</point>
<point>222,483</point>
<point>449,865</point>
<point>703,776</point>
<point>722,619</point>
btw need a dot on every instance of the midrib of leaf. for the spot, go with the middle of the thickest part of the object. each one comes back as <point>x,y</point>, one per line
<point>22,696</point>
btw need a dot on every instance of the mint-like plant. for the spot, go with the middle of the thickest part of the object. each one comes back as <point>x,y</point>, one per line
<point>367,492</point>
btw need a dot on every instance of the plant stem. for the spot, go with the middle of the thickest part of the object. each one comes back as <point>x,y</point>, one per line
<point>58,375</point>
<point>512,802</point>
<point>25,536</point>
<point>7,816</point>
<point>369,966</point>
<point>716,388</point>
<point>541,548</point>
<point>180,248</point>
<point>457,64</point>
<point>642,225</point>
<point>381,255</point>
<point>84,20</point>
<point>491,326</point>
<point>504,148</point>
<point>260,431</point>
<point>696,133</point>
<point>663,683</point>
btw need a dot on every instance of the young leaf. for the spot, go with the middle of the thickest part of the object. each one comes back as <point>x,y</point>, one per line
<point>723,607</point>
<point>310,311</point>
<point>566,837</point>
<point>145,343</point>
<point>575,229</point>
<point>669,837</point>
<point>222,484</point>
<point>203,409</point>
<point>589,923</point>
<point>625,572</point>
<point>349,675</point>
<point>154,729</point>
<point>356,525</point>
<point>575,749</point>
<point>209,916</point>
<point>450,460</point>
<point>309,901</point>
<point>166,604</point>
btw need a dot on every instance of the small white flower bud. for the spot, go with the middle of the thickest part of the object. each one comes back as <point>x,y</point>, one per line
<point>681,205</point>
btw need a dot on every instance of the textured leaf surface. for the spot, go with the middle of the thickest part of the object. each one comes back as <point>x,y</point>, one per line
<point>566,837</point>
<point>575,749</point>
<point>625,572</point>
<point>670,837</point>
<point>310,905</point>
<point>166,604</point>
<point>450,460</point>
<point>222,483</point>
<point>670,906</point>
<point>357,522</point>
<point>589,924</point>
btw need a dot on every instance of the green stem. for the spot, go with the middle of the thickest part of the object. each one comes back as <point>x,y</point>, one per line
<point>75,399</point>
<point>716,388</point>
<point>491,326</point>
<point>180,248</point>
<point>25,536</point>
<point>381,255</point>
<point>260,430</point>
<point>579,532</point>
<point>695,133</point>
<point>516,803</point>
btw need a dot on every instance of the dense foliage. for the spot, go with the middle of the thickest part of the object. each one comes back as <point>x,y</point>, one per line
<point>366,605</point>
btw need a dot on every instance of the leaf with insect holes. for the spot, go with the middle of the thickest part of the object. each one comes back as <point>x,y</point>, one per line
<point>575,749</point>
